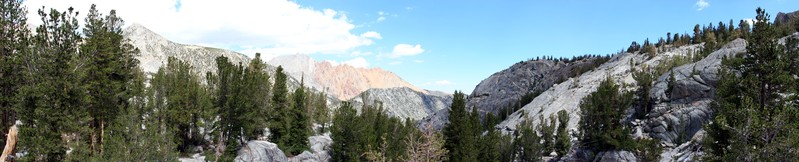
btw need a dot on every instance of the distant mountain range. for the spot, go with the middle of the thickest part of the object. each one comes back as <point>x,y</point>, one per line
<point>340,82</point>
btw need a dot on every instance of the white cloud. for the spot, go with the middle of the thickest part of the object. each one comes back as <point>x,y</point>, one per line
<point>359,62</point>
<point>701,5</point>
<point>418,61</point>
<point>401,50</point>
<point>750,21</point>
<point>272,27</point>
<point>382,16</point>
<point>371,34</point>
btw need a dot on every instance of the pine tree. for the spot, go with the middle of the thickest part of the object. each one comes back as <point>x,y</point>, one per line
<point>241,100</point>
<point>600,124</point>
<point>745,28</point>
<point>321,113</point>
<point>344,146</point>
<point>562,138</point>
<point>489,146</point>
<point>182,100</point>
<point>527,143</point>
<point>697,35</point>
<point>50,88</point>
<point>106,66</point>
<point>668,38</point>
<point>754,118</point>
<point>281,121</point>
<point>547,133</point>
<point>506,147</point>
<point>644,103</point>
<point>14,40</point>
<point>710,41</point>
<point>226,86</point>
<point>299,128</point>
<point>255,105</point>
<point>459,131</point>
<point>138,133</point>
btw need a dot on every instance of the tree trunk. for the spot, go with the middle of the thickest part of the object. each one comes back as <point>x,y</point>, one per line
<point>102,134</point>
<point>11,142</point>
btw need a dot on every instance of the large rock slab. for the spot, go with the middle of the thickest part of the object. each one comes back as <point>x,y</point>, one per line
<point>404,102</point>
<point>508,86</point>
<point>265,151</point>
<point>260,151</point>
<point>569,94</point>
<point>616,156</point>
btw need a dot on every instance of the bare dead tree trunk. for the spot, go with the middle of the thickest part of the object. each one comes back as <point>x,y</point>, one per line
<point>11,142</point>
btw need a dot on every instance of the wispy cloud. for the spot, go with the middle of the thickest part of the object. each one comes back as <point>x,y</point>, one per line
<point>701,5</point>
<point>401,50</point>
<point>382,16</point>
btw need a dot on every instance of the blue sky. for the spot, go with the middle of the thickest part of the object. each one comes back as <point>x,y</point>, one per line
<point>437,45</point>
<point>467,41</point>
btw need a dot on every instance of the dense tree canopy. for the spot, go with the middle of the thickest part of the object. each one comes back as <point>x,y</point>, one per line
<point>755,104</point>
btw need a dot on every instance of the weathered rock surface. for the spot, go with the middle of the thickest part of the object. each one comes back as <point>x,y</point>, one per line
<point>696,80</point>
<point>340,80</point>
<point>193,158</point>
<point>260,151</point>
<point>568,94</point>
<point>155,49</point>
<point>616,156</point>
<point>265,151</point>
<point>785,17</point>
<point>681,113</point>
<point>508,86</point>
<point>688,151</point>
<point>437,120</point>
<point>403,102</point>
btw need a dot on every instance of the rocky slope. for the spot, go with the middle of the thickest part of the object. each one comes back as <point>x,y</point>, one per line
<point>404,102</point>
<point>155,49</point>
<point>507,86</point>
<point>568,94</point>
<point>677,118</point>
<point>340,80</point>
<point>786,17</point>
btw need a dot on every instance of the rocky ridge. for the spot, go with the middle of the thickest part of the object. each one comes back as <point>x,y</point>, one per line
<point>155,49</point>
<point>508,86</point>
<point>786,17</point>
<point>568,94</point>
<point>403,102</point>
<point>340,80</point>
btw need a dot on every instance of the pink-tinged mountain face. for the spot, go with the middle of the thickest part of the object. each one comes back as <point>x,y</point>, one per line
<point>345,81</point>
<point>340,80</point>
